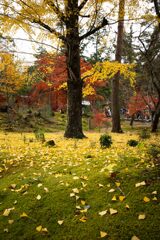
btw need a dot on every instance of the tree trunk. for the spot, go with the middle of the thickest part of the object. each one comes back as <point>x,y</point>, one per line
<point>132,120</point>
<point>116,126</point>
<point>74,82</point>
<point>156,118</point>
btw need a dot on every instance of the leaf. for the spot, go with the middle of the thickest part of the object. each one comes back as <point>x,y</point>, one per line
<point>23,215</point>
<point>78,207</point>
<point>141,216</point>
<point>114,198</point>
<point>75,178</point>
<point>154,199</point>
<point>6,212</point>
<point>39,228</point>
<point>13,186</point>
<point>117,184</point>
<point>103,234</point>
<point>10,221</point>
<point>83,219</point>
<point>83,184</point>
<point>77,197</point>
<point>140,184</point>
<point>75,190</point>
<point>100,185</point>
<point>38,197</point>
<point>46,190</point>
<point>83,210</point>
<point>72,194</point>
<point>127,206</point>
<point>102,213</point>
<point>39,185</point>
<point>135,238</point>
<point>45,230</point>
<point>60,222</point>
<point>83,202</point>
<point>111,190</point>
<point>154,192</point>
<point>146,199</point>
<point>121,198</point>
<point>113,211</point>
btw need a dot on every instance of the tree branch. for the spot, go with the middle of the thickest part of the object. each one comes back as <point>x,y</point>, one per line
<point>51,30</point>
<point>60,14</point>
<point>103,24</point>
<point>82,5</point>
<point>156,5</point>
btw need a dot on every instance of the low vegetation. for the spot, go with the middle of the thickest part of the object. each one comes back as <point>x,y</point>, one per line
<point>77,190</point>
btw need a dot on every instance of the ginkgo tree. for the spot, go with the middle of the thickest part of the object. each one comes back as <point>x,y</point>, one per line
<point>66,21</point>
<point>11,79</point>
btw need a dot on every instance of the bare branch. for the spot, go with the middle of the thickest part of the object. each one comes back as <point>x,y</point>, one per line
<point>82,5</point>
<point>103,24</point>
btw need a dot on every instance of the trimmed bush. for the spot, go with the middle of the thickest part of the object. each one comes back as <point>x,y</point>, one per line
<point>132,143</point>
<point>105,141</point>
<point>144,134</point>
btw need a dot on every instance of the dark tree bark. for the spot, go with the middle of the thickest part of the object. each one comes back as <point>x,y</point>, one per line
<point>74,82</point>
<point>156,118</point>
<point>116,126</point>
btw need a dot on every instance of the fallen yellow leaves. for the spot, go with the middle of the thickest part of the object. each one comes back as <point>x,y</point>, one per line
<point>60,222</point>
<point>146,199</point>
<point>83,219</point>
<point>141,216</point>
<point>103,234</point>
<point>140,184</point>
<point>7,211</point>
<point>121,198</point>
<point>38,197</point>
<point>41,229</point>
<point>114,198</point>
<point>135,238</point>
<point>113,211</point>
<point>23,215</point>
<point>102,213</point>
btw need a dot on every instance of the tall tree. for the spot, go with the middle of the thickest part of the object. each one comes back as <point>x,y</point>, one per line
<point>116,126</point>
<point>67,15</point>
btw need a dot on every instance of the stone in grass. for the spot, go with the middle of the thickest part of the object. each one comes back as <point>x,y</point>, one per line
<point>50,143</point>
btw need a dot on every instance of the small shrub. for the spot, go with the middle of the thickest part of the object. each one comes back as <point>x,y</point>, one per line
<point>144,134</point>
<point>39,134</point>
<point>50,143</point>
<point>132,143</point>
<point>105,141</point>
<point>154,151</point>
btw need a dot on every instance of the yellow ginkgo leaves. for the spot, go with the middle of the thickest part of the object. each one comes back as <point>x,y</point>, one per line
<point>23,215</point>
<point>41,229</point>
<point>146,199</point>
<point>83,219</point>
<point>7,211</point>
<point>103,234</point>
<point>102,213</point>
<point>113,211</point>
<point>60,222</point>
<point>141,216</point>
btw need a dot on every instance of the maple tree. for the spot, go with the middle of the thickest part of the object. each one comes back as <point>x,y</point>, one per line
<point>53,81</point>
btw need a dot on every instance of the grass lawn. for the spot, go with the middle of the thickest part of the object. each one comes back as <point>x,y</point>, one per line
<point>76,190</point>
